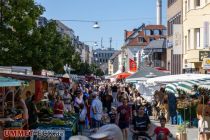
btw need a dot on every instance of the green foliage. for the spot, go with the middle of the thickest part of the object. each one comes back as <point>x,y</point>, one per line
<point>29,45</point>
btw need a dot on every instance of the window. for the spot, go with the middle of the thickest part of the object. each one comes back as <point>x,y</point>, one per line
<point>174,20</point>
<point>189,40</point>
<point>147,32</point>
<point>197,3</point>
<point>185,8</point>
<point>156,32</point>
<point>163,32</point>
<point>197,38</point>
<point>185,41</point>
<point>189,5</point>
<point>141,40</point>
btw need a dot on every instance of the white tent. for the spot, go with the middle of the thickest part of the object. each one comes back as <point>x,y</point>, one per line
<point>175,78</point>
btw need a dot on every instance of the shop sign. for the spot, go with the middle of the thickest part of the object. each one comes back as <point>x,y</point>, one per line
<point>204,54</point>
<point>206,63</point>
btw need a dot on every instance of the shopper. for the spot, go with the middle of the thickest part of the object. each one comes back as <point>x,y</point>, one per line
<point>141,123</point>
<point>33,113</point>
<point>123,117</point>
<point>82,118</point>
<point>67,101</point>
<point>20,103</point>
<point>78,101</point>
<point>97,109</point>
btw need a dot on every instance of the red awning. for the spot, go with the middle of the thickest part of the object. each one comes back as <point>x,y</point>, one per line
<point>123,75</point>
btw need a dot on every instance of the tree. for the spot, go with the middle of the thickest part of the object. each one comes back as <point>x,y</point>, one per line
<point>99,72</point>
<point>29,45</point>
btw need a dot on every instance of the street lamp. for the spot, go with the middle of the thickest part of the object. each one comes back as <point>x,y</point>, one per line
<point>96,25</point>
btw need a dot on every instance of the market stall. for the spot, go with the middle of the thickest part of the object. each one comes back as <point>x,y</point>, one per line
<point>10,117</point>
<point>36,84</point>
<point>189,95</point>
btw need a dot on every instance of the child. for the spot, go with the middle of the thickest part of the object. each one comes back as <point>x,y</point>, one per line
<point>162,132</point>
<point>113,115</point>
<point>105,117</point>
<point>82,117</point>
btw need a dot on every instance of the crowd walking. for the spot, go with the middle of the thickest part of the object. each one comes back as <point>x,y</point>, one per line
<point>105,108</point>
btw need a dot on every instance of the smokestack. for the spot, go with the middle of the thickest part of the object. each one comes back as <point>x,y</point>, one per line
<point>159,12</point>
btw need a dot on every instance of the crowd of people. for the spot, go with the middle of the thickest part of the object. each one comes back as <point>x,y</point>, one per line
<point>99,105</point>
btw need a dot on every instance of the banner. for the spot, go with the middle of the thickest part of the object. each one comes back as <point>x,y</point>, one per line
<point>133,66</point>
<point>177,39</point>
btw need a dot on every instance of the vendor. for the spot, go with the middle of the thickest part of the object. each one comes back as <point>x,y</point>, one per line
<point>67,101</point>
<point>58,108</point>
<point>20,104</point>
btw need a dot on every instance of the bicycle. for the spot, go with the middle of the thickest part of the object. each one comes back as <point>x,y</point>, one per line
<point>141,136</point>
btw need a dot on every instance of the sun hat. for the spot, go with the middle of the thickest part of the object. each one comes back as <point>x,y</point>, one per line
<point>109,131</point>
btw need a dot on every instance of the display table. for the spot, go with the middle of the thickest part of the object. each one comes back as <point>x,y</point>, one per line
<point>70,129</point>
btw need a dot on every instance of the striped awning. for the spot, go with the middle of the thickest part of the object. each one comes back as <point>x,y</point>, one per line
<point>188,86</point>
<point>206,86</point>
<point>171,88</point>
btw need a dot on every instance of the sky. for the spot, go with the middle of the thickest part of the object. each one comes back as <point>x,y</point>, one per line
<point>113,16</point>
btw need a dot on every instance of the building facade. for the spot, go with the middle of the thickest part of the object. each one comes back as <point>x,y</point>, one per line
<point>114,63</point>
<point>101,58</point>
<point>174,17</point>
<point>42,21</point>
<point>137,40</point>
<point>196,35</point>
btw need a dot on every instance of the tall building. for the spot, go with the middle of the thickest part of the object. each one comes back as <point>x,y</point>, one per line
<point>101,57</point>
<point>174,50</point>
<point>196,35</point>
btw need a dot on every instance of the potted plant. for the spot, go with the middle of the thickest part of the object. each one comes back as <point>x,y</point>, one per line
<point>181,132</point>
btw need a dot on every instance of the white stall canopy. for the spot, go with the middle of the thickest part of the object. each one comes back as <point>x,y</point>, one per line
<point>175,78</point>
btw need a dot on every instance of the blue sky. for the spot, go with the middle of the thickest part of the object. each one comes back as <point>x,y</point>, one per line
<point>114,16</point>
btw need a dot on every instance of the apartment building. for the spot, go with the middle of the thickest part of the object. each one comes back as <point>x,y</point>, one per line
<point>196,20</point>
<point>137,40</point>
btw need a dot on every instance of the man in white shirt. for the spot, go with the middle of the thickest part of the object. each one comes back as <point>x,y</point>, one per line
<point>97,109</point>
